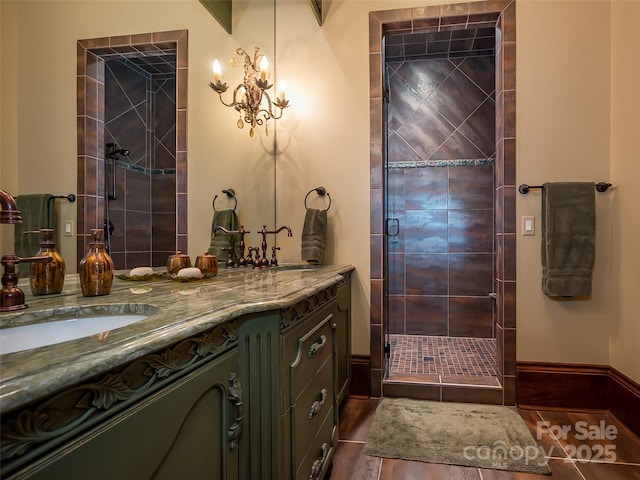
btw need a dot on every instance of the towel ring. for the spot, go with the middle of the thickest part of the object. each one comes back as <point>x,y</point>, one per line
<point>231,193</point>
<point>321,191</point>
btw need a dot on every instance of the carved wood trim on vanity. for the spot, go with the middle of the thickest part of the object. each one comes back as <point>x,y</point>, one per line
<point>579,387</point>
<point>296,312</point>
<point>47,422</point>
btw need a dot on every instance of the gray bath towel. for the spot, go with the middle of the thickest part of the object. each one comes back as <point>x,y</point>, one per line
<point>568,238</point>
<point>314,236</point>
<point>38,211</point>
<point>228,220</point>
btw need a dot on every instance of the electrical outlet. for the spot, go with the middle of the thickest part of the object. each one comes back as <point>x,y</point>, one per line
<point>528,225</point>
<point>68,228</point>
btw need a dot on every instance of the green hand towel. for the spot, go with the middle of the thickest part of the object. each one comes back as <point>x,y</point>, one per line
<point>568,238</point>
<point>37,212</point>
<point>229,220</point>
<point>314,236</point>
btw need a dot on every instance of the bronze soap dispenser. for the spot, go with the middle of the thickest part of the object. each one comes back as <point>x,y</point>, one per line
<point>96,268</point>
<point>47,278</point>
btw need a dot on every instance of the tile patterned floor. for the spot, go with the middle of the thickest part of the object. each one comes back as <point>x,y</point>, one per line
<point>442,359</point>
<point>570,457</point>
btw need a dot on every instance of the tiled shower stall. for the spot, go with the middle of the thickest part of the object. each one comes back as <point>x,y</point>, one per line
<point>440,186</point>
<point>443,167</point>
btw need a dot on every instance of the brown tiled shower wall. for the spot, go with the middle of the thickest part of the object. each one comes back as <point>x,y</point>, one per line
<point>140,115</point>
<point>498,14</point>
<point>441,155</point>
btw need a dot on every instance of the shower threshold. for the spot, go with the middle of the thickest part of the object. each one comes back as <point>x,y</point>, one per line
<point>443,360</point>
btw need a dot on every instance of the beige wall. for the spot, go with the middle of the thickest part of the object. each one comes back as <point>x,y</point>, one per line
<point>569,85</point>
<point>625,173</point>
<point>563,90</point>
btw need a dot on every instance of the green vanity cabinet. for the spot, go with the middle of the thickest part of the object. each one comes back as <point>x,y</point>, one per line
<point>252,393</point>
<point>295,363</point>
<point>309,411</point>
<point>181,431</point>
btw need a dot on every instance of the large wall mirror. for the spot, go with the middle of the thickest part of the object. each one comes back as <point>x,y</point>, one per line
<point>155,144</point>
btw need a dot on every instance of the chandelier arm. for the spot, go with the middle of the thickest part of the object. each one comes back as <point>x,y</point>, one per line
<point>225,103</point>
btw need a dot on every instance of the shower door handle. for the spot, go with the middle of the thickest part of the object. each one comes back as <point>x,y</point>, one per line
<point>392,227</point>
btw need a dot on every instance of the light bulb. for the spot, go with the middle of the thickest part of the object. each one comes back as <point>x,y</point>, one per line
<point>217,71</point>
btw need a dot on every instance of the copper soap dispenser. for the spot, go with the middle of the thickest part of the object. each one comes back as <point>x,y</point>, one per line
<point>47,278</point>
<point>96,268</point>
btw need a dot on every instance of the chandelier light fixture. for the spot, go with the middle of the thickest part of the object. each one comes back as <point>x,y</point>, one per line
<point>250,98</point>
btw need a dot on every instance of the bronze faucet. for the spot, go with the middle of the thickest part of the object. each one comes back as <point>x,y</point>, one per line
<point>249,259</point>
<point>263,261</point>
<point>9,212</point>
<point>274,260</point>
<point>242,232</point>
<point>12,297</point>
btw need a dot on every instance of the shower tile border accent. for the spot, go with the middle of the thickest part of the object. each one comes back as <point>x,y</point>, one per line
<point>90,57</point>
<point>461,162</point>
<point>436,18</point>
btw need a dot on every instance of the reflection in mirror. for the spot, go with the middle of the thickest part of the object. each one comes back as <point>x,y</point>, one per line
<point>132,146</point>
<point>229,157</point>
<point>128,86</point>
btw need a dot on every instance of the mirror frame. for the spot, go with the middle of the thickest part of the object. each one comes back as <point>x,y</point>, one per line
<point>91,56</point>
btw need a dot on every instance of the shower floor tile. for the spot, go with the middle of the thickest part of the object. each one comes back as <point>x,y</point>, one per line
<point>450,360</point>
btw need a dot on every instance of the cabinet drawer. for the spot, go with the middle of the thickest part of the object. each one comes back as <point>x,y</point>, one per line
<point>318,457</point>
<point>308,351</point>
<point>311,409</point>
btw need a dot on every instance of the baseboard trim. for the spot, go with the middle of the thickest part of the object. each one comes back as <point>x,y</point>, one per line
<point>564,386</point>
<point>360,376</point>
<point>623,397</point>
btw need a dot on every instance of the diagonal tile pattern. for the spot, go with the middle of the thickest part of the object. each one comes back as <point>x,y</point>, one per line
<point>443,109</point>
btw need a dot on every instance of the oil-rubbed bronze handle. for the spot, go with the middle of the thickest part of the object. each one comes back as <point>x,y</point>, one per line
<point>316,468</point>
<point>317,405</point>
<point>314,348</point>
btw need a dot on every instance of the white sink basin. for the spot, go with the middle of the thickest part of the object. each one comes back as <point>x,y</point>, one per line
<point>82,324</point>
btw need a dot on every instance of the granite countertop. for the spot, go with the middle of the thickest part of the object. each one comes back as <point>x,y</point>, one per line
<point>182,309</point>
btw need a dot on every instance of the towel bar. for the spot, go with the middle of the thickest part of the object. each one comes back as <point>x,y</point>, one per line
<point>524,188</point>
<point>71,197</point>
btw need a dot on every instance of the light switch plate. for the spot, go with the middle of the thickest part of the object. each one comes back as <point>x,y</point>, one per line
<point>68,228</point>
<point>528,225</point>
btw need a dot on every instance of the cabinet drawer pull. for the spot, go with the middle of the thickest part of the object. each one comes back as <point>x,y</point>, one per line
<point>316,468</point>
<point>314,348</point>
<point>317,405</point>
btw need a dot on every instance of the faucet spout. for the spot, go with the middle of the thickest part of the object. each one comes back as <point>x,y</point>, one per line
<point>263,261</point>
<point>284,227</point>
<point>9,212</point>
<point>242,261</point>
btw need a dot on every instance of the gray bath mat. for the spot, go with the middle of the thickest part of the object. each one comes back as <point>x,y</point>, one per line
<point>483,436</point>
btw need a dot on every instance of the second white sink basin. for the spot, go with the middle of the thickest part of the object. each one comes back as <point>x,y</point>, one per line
<point>40,334</point>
